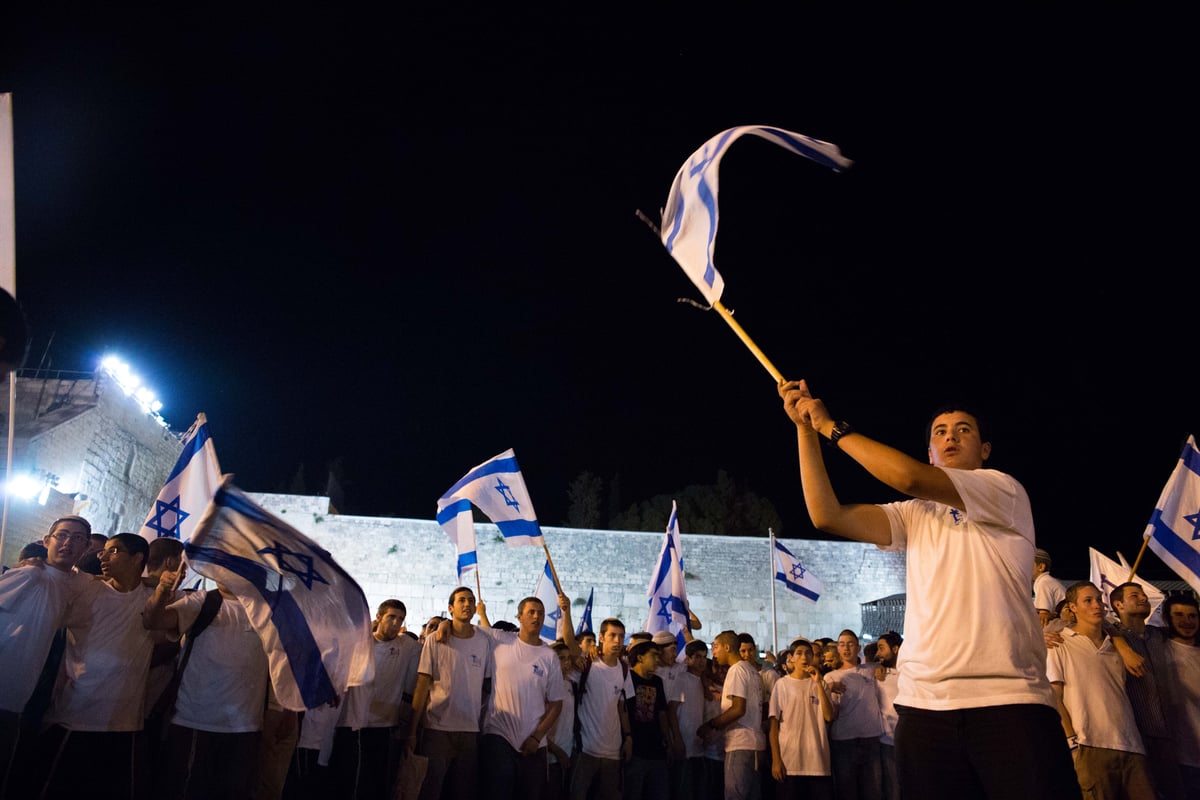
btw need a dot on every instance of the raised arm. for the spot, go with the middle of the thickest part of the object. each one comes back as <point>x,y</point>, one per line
<point>156,616</point>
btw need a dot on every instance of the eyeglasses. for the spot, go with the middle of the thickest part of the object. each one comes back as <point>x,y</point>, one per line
<point>107,553</point>
<point>74,538</point>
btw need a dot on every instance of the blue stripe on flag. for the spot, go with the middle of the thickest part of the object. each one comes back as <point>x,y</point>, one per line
<point>453,510</point>
<point>303,653</point>
<point>512,528</point>
<point>503,465</point>
<point>191,449</point>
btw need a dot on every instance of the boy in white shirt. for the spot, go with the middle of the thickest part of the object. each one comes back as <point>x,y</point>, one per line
<point>798,710</point>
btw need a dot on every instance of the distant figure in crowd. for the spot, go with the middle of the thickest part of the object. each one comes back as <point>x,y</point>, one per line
<point>1048,591</point>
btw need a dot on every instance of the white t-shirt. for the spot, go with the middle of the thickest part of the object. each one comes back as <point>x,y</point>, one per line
<point>599,719</point>
<point>101,683</point>
<point>224,686</point>
<point>803,737</point>
<point>1094,692</point>
<point>691,713</point>
<point>746,733</point>
<point>396,663</point>
<point>971,636</point>
<point>858,715</point>
<point>888,687</point>
<point>1183,665</point>
<point>33,604</point>
<point>528,678</point>
<point>457,668</point>
<point>1048,592</point>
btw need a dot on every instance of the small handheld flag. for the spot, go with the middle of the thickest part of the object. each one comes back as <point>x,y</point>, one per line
<point>585,621</point>
<point>547,591</point>
<point>498,490</point>
<point>689,220</point>
<point>667,594</point>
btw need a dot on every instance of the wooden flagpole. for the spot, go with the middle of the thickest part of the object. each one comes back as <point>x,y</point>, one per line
<point>727,315</point>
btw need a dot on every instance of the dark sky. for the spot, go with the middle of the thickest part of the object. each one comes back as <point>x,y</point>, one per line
<point>410,241</point>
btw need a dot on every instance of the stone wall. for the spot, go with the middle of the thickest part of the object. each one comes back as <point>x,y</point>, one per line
<point>729,579</point>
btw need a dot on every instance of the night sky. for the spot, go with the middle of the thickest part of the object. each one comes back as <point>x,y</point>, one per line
<point>410,242</point>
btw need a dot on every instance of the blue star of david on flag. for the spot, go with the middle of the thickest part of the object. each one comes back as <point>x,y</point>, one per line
<point>496,488</point>
<point>157,523</point>
<point>506,493</point>
<point>282,555</point>
<point>547,591</point>
<point>795,577</point>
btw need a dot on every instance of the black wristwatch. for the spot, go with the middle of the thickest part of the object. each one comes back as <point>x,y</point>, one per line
<point>839,430</point>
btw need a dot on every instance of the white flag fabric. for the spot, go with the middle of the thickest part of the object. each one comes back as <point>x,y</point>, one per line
<point>795,576</point>
<point>585,620</point>
<point>458,522</point>
<point>689,221</point>
<point>189,488</point>
<point>547,592</point>
<point>311,616</point>
<point>1174,529</point>
<point>1108,575</point>
<point>498,490</point>
<point>667,593</point>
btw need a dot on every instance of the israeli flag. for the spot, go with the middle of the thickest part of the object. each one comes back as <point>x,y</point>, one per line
<point>498,490</point>
<point>312,618</point>
<point>795,576</point>
<point>547,591</point>
<point>666,592</point>
<point>189,488</point>
<point>689,221</point>
<point>457,521</point>
<point>1174,529</point>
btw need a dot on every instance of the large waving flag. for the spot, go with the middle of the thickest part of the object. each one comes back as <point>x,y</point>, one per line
<point>312,617</point>
<point>1174,529</point>
<point>189,488</point>
<point>498,490</point>
<point>1108,575</point>
<point>547,592</point>
<point>585,621</point>
<point>794,575</point>
<point>666,592</point>
<point>689,221</point>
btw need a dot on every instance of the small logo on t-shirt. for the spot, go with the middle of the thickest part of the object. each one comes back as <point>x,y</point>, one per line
<point>537,670</point>
<point>957,516</point>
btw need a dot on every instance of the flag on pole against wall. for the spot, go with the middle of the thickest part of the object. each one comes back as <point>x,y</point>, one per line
<point>585,621</point>
<point>311,616</point>
<point>798,579</point>
<point>497,488</point>
<point>458,522</point>
<point>689,221</point>
<point>1174,529</point>
<point>1108,575</point>
<point>547,592</point>
<point>189,488</point>
<point>667,594</point>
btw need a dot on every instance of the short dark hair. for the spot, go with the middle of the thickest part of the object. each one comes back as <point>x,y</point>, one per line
<point>33,550</point>
<point>893,639</point>
<point>1177,600</point>
<point>135,544</point>
<point>466,589</point>
<point>161,549</point>
<point>393,604</point>
<point>947,408</point>
<point>531,599</point>
<point>505,625</point>
<point>1117,595</point>
<point>695,646</point>
<point>611,622</point>
<point>1074,588</point>
<point>745,638</point>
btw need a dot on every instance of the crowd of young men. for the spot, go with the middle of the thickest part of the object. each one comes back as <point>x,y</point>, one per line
<point>92,675</point>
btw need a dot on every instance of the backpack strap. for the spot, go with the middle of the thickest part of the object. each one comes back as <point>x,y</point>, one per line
<point>208,612</point>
